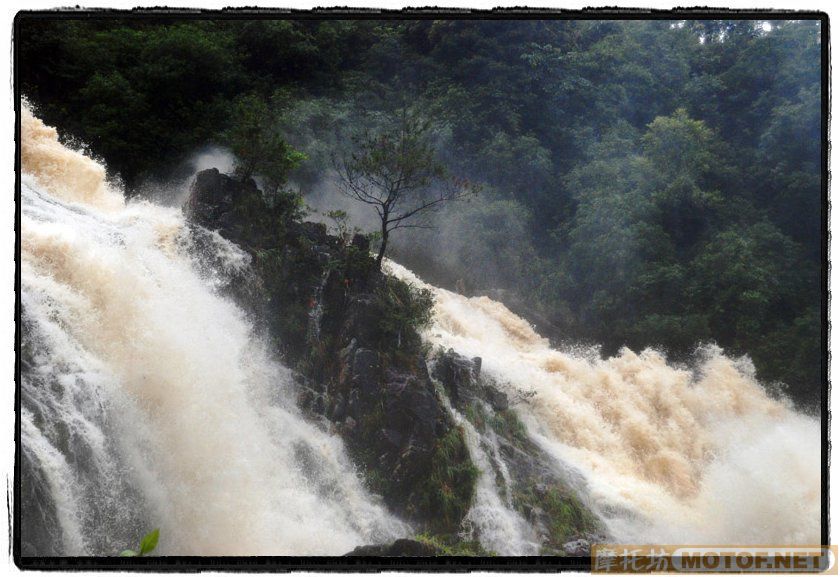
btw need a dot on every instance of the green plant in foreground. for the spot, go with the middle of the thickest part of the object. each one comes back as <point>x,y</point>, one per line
<point>147,545</point>
<point>452,546</point>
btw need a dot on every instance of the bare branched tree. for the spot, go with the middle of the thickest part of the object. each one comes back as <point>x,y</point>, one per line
<point>395,170</point>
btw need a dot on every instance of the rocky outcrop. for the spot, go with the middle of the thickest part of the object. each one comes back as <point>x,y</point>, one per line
<point>544,495</point>
<point>399,548</point>
<point>348,333</point>
<point>461,377</point>
<point>359,363</point>
<point>215,197</point>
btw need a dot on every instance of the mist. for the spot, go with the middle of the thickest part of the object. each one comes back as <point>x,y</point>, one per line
<point>175,190</point>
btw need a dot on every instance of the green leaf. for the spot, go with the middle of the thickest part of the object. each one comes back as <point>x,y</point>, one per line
<point>149,542</point>
<point>129,553</point>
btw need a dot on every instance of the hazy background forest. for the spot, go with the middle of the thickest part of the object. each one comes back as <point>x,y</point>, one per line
<point>643,183</point>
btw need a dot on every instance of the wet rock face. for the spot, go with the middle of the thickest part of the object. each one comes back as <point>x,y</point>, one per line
<point>399,548</point>
<point>413,409</point>
<point>413,421</point>
<point>392,421</point>
<point>543,495</point>
<point>360,317</point>
<point>324,304</point>
<point>214,196</point>
<point>497,399</point>
<point>461,377</point>
<point>40,530</point>
<point>365,372</point>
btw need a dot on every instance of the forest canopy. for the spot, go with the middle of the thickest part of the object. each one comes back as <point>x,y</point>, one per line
<point>643,183</point>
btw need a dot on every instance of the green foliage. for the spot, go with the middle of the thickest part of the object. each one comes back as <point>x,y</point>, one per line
<point>259,147</point>
<point>147,544</point>
<point>453,546</point>
<point>447,493</point>
<point>507,425</point>
<point>402,310</point>
<point>567,516</point>
<point>122,86</point>
<point>753,272</point>
<point>395,170</point>
<point>341,225</point>
<point>624,152</point>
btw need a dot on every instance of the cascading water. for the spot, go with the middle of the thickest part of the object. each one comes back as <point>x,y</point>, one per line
<point>147,399</point>
<point>492,519</point>
<point>667,455</point>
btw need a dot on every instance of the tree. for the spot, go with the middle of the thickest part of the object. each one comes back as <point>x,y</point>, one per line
<point>258,144</point>
<point>683,167</point>
<point>396,171</point>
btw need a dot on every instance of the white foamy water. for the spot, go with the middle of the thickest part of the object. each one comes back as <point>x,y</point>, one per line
<point>492,518</point>
<point>668,455</point>
<point>149,401</point>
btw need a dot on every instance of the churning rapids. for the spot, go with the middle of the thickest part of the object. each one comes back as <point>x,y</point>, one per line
<point>149,401</point>
<point>667,455</point>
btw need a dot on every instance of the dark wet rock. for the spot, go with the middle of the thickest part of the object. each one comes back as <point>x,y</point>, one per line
<point>40,533</point>
<point>412,408</point>
<point>324,307</point>
<point>458,375</point>
<point>497,399</point>
<point>337,408</point>
<point>399,548</point>
<point>392,437</point>
<point>214,196</point>
<point>365,371</point>
<point>477,364</point>
<point>361,318</point>
<point>354,405</point>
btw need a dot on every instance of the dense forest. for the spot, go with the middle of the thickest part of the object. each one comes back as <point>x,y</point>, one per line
<point>642,183</point>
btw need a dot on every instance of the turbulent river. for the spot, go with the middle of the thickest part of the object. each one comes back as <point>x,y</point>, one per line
<point>698,455</point>
<point>149,400</point>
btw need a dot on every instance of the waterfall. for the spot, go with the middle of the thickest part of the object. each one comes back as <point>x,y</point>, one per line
<point>148,399</point>
<point>492,519</point>
<point>666,454</point>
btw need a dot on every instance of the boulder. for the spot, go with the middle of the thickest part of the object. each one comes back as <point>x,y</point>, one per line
<point>214,195</point>
<point>399,548</point>
<point>458,375</point>
<point>412,409</point>
<point>497,399</point>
